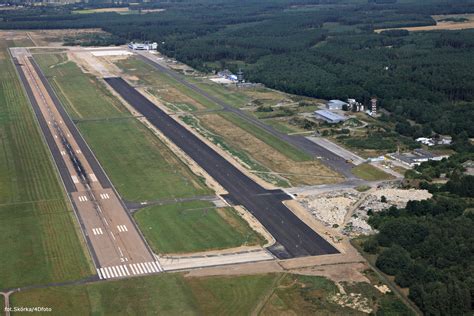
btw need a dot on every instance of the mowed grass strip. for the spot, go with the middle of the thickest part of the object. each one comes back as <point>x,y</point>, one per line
<point>82,94</point>
<point>138,163</point>
<point>283,147</point>
<point>148,75</point>
<point>165,294</point>
<point>194,226</point>
<point>231,295</point>
<point>370,173</point>
<point>39,245</point>
<point>228,95</point>
<point>40,242</point>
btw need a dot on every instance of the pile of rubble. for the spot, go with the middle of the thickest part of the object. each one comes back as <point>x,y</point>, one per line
<point>333,208</point>
<point>376,201</point>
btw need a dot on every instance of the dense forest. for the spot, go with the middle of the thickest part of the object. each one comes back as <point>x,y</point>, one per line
<point>326,49</point>
<point>428,246</point>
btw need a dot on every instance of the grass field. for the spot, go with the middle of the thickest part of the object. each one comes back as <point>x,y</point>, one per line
<point>83,95</point>
<point>282,125</point>
<point>238,154</point>
<point>138,163</point>
<point>140,166</point>
<point>194,226</point>
<point>268,151</point>
<point>258,150</point>
<point>169,90</point>
<point>281,146</point>
<point>40,242</point>
<point>228,95</point>
<point>176,294</point>
<point>370,173</point>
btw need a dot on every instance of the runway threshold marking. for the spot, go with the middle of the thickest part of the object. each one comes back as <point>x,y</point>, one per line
<point>104,196</point>
<point>82,198</point>
<point>123,270</point>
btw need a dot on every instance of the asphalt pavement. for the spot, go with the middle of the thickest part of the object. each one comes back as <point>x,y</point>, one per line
<point>294,238</point>
<point>328,158</point>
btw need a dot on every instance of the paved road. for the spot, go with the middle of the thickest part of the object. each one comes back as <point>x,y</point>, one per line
<point>116,246</point>
<point>330,159</point>
<point>294,237</point>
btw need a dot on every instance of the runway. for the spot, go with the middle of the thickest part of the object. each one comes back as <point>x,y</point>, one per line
<point>294,238</point>
<point>330,159</point>
<point>114,242</point>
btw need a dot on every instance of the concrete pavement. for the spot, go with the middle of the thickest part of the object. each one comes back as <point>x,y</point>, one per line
<point>116,246</point>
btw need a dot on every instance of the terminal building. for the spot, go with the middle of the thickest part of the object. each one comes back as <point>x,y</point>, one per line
<point>143,46</point>
<point>329,116</point>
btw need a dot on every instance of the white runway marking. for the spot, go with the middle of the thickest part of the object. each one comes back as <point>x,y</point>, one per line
<point>115,272</point>
<point>63,152</point>
<point>97,231</point>
<point>104,272</point>
<point>144,268</point>
<point>104,196</point>
<point>126,270</point>
<point>122,228</point>
<point>74,179</point>
<point>123,270</point>
<point>93,177</point>
<point>82,198</point>
<point>139,268</point>
<point>78,151</point>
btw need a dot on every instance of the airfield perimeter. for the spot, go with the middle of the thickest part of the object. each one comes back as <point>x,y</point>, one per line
<point>114,241</point>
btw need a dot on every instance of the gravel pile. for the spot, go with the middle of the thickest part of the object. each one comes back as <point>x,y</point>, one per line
<point>331,208</point>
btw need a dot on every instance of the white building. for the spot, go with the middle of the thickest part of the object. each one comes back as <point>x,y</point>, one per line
<point>443,140</point>
<point>143,46</point>
<point>328,116</point>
